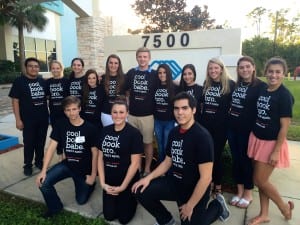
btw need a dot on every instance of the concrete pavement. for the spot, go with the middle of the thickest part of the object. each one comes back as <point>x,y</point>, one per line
<point>13,181</point>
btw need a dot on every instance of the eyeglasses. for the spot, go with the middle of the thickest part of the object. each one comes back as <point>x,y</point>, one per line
<point>33,66</point>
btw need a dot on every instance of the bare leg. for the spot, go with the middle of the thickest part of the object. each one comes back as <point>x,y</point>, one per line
<point>262,173</point>
<point>148,149</point>
<point>240,190</point>
<point>247,194</point>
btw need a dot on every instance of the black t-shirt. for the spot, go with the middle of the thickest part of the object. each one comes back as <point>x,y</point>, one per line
<point>187,151</point>
<point>117,148</point>
<point>271,106</point>
<point>76,86</point>
<point>196,91</point>
<point>31,94</point>
<point>242,112</point>
<point>57,90</point>
<point>142,85</point>
<point>163,109</point>
<point>91,110</point>
<point>76,142</point>
<point>216,105</point>
<point>109,98</point>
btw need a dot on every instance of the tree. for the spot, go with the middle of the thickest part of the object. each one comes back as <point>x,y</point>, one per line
<point>285,31</point>
<point>170,15</point>
<point>260,49</point>
<point>256,15</point>
<point>24,14</point>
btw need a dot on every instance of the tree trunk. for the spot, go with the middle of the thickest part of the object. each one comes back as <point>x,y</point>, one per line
<point>21,48</point>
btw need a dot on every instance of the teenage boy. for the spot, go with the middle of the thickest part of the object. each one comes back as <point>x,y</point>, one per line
<point>141,83</point>
<point>29,105</point>
<point>78,139</point>
<point>190,158</point>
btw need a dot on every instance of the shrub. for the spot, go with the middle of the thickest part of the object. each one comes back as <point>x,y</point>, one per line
<point>67,72</point>
<point>8,77</point>
<point>7,66</point>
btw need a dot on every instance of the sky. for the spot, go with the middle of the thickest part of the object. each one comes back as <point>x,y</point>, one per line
<point>233,11</point>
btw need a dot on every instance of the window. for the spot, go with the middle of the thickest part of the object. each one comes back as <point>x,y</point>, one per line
<point>43,50</point>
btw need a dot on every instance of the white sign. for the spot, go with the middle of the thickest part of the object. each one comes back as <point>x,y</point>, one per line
<point>180,48</point>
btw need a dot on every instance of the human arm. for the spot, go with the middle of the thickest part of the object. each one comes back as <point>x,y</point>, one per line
<point>90,179</point>
<point>284,125</point>
<point>47,159</point>
<point>132,169</point>
<point>186,210</point>
<point>101,174</point>
<point>163,167</point>
<point>16,110</point>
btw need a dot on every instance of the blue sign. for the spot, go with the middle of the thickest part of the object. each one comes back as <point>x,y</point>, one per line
<point>175,68</point>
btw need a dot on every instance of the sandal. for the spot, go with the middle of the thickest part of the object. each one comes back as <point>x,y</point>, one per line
<point>243,203</point>
<point>258,220</point>
<point>234,200</point>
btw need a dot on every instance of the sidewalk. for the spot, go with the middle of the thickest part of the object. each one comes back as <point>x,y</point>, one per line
<point>13,181</point>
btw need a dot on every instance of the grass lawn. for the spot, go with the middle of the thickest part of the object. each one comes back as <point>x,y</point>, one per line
<point>294,129</point>
<point>20,211</point>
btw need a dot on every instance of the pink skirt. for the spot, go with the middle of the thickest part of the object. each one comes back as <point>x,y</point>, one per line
<point>260,150</point>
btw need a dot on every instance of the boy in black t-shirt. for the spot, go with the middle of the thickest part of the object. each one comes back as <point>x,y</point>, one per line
<point>29,104</point>
<point>141,83</point>
<point>190,157</point>
<point>78,139</point>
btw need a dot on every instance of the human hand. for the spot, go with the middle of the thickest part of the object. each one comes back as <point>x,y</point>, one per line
<point>109,189</point>
<point>274,158</point>
<point>144,182</point>
<point>117,190</point>
<point>40,179</point>
<point>90,180</point>
<point>185,212</point>
<point>19,124</point>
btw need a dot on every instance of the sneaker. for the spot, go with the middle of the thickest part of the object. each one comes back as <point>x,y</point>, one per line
<point>225,211</point>
<point>27,171</point>
<point>171,222</point>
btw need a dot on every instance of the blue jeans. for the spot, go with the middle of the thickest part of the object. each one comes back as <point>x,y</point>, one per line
<point>241,163</point>
<point>60,172</point>
<point>162,129</point>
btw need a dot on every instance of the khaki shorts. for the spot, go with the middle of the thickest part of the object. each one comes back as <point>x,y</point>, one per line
<point>145,124</point>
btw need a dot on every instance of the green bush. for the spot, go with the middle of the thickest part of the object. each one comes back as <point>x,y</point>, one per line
<point>67,72</point>
<point>227,163</point>
<point>7,66</point>
<point>8,77</point>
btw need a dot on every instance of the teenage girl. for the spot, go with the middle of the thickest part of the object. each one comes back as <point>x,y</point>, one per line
<point>57,89</point>
<point>189,85</point>
<point>267,142</point>
<point>121,146</point>
<point>92,98</point>
<point>112,85</point>
<point>76,77</point>
<point>217,91</point>
<point>242,115</point>
<point>164,119</point>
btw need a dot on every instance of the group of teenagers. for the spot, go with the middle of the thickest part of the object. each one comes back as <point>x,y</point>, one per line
<point>103,125</point>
